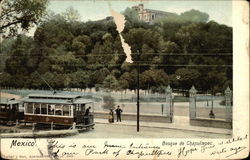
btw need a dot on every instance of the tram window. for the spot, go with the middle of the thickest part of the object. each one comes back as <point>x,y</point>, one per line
<point>58,109</point>
<point>20,108</point>
<point>29,108</point>
<point>66,110</point>
<point>82,107</point>
<point>37,108</point>
<point>59,112</point>
<point>14,108</point>
<point>51,109</point>
<point>44,109</point>
<point>3,109</point>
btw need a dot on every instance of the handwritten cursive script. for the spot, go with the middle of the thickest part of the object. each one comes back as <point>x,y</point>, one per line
<point>142,153</point>
<point>236,150</point>
<point>183,151</point>
<point>107,145</point>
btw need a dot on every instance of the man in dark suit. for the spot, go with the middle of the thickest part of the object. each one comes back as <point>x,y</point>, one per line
<point>118,113</point>
<point>87,111</point>
<point>86,116</point>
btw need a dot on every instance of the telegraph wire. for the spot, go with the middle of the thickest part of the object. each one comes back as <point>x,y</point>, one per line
<point>155,54</point>
<point>143,64</point>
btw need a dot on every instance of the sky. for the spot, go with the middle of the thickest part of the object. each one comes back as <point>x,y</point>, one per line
<point>219,10</point>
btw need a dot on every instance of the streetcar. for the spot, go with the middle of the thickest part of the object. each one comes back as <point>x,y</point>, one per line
<point>58,109</point>
<point>11,110</point>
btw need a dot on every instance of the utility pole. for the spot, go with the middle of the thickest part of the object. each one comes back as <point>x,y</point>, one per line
<point>0,95</point>
<point>211,114</point>
<point>138,94</point>
<point>1,88</point>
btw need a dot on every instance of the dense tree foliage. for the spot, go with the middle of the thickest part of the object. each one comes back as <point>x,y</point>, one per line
<point>19,15</point>
<point>66,53</point>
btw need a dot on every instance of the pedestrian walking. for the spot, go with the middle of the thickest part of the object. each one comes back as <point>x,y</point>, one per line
<point>118,113</point>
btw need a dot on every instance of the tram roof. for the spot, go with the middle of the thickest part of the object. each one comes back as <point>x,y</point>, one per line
<point>56,101</point>
<point>8,101</point>
<point>59,96</point>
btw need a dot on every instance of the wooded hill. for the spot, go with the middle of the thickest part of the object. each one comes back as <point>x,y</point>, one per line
<point>181,51</point>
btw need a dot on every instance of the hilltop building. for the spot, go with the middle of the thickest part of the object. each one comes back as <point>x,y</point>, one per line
<point>150,15</point>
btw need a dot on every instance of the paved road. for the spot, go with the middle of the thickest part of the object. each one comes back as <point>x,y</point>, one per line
<point>123,131</point>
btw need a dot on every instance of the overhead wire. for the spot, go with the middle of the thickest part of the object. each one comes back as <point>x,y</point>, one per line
<point>155,54</point>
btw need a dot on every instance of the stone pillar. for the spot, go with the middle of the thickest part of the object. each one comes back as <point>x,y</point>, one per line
<point>192,103</point>
<point>228,104</point>
<point>51,126</point>
<point>74,125</point>
<point>17,122</point>
<point>33,127</point>
<point>167,107</point>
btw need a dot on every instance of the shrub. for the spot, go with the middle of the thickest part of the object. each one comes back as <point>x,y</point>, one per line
<point>108,102</point>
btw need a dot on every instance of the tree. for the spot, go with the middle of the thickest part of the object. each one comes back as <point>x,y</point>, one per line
<point>108,102</point>
<point>82,79</point>
<point>6,47</point>
<point>98,76</point>
<point>137,37</point>
<point>71,15</point>
<point>20,14</point>
<point>130,77</point>
<point>124,84</point>
<point>70,53</point>
<point>81,44</point>
<point>54,32</point>
<point>131,15</point>
<point>109,54</point>
<point>154,77</point>
<point>16,63</point>
<point>185,78</point>
<point>194,16</point>
<point>187,35</point>
<point>5,79</point>
<point>110,82</point>
<point>168,29</point>
<point>168,47</point>
<point>215,81</point>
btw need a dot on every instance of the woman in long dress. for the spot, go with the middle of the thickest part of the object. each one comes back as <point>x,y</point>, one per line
<point>111,116</point>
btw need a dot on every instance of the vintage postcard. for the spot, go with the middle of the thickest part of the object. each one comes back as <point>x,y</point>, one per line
<point>124,79</point>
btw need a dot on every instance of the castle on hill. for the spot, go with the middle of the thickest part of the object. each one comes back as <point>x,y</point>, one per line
<point>150,15</point>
